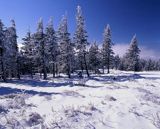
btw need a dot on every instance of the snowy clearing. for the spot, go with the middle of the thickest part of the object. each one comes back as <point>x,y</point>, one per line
<point>120,100</point>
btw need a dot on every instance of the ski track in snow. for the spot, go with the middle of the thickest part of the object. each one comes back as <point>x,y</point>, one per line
<point>120,100</point>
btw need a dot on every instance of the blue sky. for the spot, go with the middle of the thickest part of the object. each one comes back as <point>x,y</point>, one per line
<point>126,17</point>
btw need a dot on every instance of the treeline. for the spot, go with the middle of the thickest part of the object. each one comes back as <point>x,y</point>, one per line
<point>49,51</point>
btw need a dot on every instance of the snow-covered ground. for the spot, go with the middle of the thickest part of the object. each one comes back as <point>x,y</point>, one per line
<point>120,100</point>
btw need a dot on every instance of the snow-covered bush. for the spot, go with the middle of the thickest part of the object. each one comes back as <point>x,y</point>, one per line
<point>34,119</point>
<point>18,101</point>
<point>3,109</point>
<point>2,127</point>
<point>9,121</point>
<point>82,81</point>
<point>156,120</point>
<point>72,118</point>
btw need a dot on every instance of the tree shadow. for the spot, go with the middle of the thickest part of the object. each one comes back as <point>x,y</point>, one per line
<point>118,78</point>
<point>87,86</point>
<point>40,83</point>
<point>7,90</point>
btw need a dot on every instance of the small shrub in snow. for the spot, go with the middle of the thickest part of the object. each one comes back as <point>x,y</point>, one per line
<point>2,127</point>
<point>112,99</point>
<point>18,101</point>
<point>73,113</point>
<point>156,120</point>
<point>34,119</point>
<point>48,97</point>
<point>93,108</point>
<point>82,81</point>
<point>3,110</point>
<point>10,122</point>
<point>72,93</point>
<point>89,126</point>
<point>148,96</point>
<point>55,125</point>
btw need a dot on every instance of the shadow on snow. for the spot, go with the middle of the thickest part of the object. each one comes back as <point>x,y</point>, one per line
<point>118,78</point>
<point>65,82</point>
<point>7,90</point>
<point>40,83</point>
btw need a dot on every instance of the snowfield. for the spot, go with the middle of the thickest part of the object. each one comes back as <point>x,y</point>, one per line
<point>120,100</point>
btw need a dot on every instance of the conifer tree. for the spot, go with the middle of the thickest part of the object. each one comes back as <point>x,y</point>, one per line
<point>116,61</point>
<point>94,57</point>
<point>12,51</point>
<point>132,55</point>
<point>66,48</point>
<point>39,38</point>
<point>107,51</point>
<point>51,46</point>
<point>2,52</point>
<point>29,52</point>
<point>80,40</point>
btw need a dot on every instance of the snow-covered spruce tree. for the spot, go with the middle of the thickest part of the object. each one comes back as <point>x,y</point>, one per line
<point>2,53</point>
<point>39,40</point>
<point>149,66</point>
<point>132,55</point>
<point>158,65</point>
<point>66,48</point>
<point>12,51</point>
<point>122,65</point>
<point>80,40</point>
<point>142,64</point>
<point>107,51</point>
<point>51,46</point>
<point>28,51</point>
<point>117,62</point>
<point>94,57</point>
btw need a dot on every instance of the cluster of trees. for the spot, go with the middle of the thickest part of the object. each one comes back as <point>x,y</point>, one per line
<point>9,63</point>
<point>50,51</point>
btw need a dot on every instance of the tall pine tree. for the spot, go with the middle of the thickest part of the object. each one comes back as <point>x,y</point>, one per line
<point>39,38</point>
<point>12,50</point>
<point>66,48</point>
<point>94,57</point>
<point>2,52</point>
<point>132,55</point>
<point>80,40</point>
<point>107,51</point>
<point>117,62</point>
<point>28,50</point>
<point>51,46</point>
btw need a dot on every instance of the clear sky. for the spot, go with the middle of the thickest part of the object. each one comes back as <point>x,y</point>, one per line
<point>126,17</point>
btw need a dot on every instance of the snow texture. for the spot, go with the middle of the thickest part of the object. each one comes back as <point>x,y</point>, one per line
<point>119,100</point>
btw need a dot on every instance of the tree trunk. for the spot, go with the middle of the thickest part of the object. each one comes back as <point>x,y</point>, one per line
<point>103,69</point>
<point>53,70</point>
<point>44,71</point>
<point>56,69</point>
<point>108,64</point>
<point>18,71</point>
<point>43,57</point>
<point>2,67</point>
<point>69,74</point>
<point>3,73</point>
<point>108,69</point>
<point>40,72</point>
<point>85,63</point>
<point>31,70</point>
<point>81,66</point>
<point>69,70</point>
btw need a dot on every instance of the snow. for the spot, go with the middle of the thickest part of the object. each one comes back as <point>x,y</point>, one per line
<point>120,100</point>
